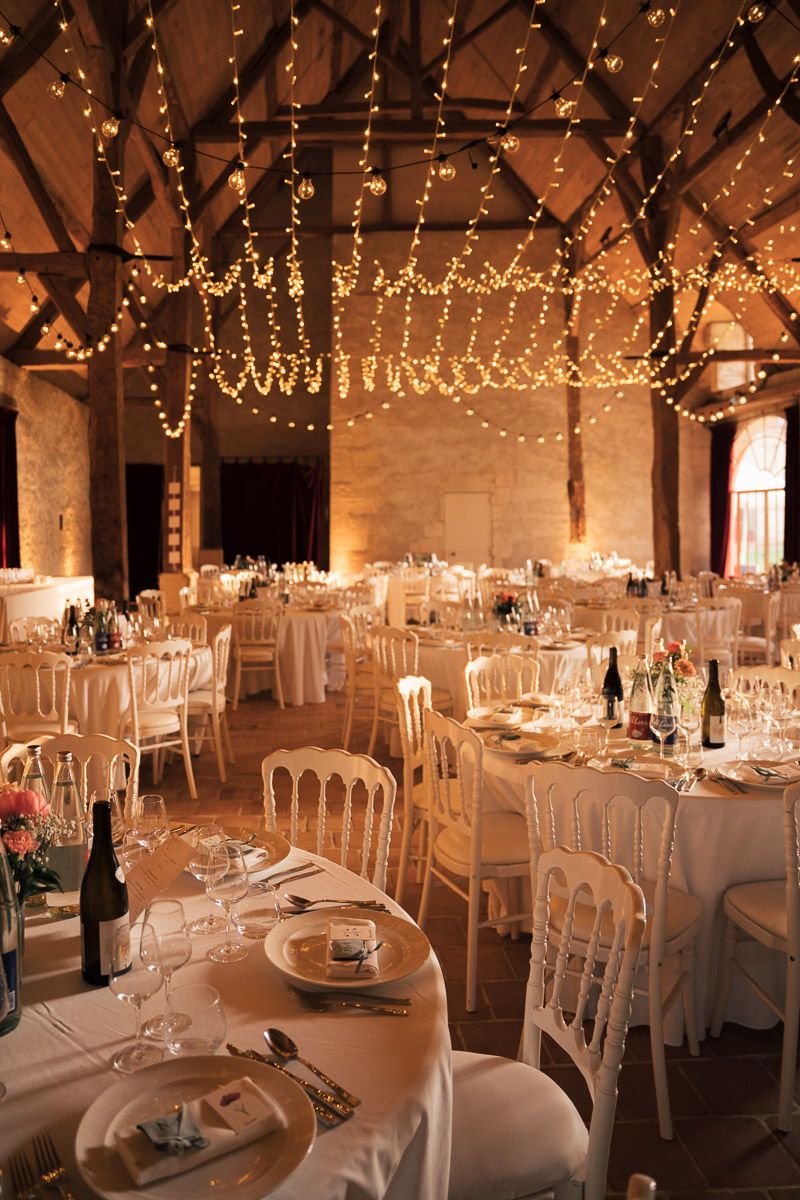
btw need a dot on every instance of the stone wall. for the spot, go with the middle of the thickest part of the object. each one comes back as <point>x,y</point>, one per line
<point>53,473</point>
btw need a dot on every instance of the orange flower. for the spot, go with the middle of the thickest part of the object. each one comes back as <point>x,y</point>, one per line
<point>684,667</point>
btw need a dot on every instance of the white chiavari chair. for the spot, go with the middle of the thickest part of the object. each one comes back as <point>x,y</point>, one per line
<point>190,625</point>
<point>158,717</point>
<point>790,653</point>
<point>414,699</point>
<point>34,694</point>
<point>256,632</point>
<point>494,678</point>
<point>209,704</point>
<point>490,642</point>
<point>103,762</point>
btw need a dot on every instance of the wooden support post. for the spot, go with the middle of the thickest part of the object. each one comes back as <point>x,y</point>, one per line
<point>666,454</point>
<point>177,534</point>
<point>576,490</point>
<point>206,408</point>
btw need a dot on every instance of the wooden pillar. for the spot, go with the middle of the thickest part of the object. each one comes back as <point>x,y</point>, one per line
<point>661,219</point>
<point>177,533</point>
<point>207,410</point>
<point>576,490</point>
<point>105,379</point>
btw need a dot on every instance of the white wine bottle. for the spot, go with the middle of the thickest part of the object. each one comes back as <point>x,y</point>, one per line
<point>67,856</point>
<point>713,710</point>
<point>104,900</point>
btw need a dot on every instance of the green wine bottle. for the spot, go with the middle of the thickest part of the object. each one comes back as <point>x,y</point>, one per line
<point>713,710</point>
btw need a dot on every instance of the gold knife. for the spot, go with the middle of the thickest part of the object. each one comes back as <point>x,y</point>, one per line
<point>340,1108</point>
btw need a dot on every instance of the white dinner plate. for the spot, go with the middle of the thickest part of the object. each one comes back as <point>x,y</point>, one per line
<point>492,717</point>
<point>743,773</point>
<point>529,745</point>
<point>246,1174</point>
<point>559,644</point>
<point>264,851</point>
<point>298,948</point>
<point>645,768</point>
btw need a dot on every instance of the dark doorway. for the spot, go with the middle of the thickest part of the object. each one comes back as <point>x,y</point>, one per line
<point>278,508</point>
<point>145,487</point>
<point>9,511</point>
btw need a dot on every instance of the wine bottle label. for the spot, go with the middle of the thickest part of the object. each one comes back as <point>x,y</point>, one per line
<point>108,931</point>
<point>716,730</point>
<point>639,726</point>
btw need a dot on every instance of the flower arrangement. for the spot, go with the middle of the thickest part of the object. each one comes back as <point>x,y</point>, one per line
<point>28,829</point>
<point>679,656</point>
<point>506,604</point>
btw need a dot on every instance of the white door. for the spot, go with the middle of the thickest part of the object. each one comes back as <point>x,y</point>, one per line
<point>468,528</point>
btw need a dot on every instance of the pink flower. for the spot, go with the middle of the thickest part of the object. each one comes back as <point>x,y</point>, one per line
<point>17,803</point>
<point>684,667</point>
<point>674,648</point>
<point>659,656</point>
<point>20,841</point>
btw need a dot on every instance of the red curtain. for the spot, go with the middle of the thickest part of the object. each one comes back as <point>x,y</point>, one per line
<point>721,450</point>
<point>276,508</point>
<point>9,510</point>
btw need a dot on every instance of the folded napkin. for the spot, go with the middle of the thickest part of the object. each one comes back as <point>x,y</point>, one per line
<point>507,714</point>
<point>352,950</point>
<point>226,1119</point>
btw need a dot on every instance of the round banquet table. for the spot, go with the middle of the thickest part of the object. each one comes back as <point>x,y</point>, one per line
<point>680,625</point>
<point>306,638</point>
<point>55,1064</point>
<point>721,839</point>
<point>443,663</point>
<point>100,693</point>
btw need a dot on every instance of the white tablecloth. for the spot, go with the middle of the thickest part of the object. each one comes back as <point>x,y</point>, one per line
<point>42,599</point>
<point>720,839</point>
<point>444,666</point>
<point>681,625</point>
<point>101,695</point>
<point>397,1146</point>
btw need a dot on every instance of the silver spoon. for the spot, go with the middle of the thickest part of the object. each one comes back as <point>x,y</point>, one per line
<point>304,902</point>
<point>283,1047</point>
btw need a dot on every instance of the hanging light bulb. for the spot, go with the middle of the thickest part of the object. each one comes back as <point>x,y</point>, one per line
<point>446,169</point>
<point>6,37</point>
<point>57,88</point>
<point>564,107</point>
<point>110,127</point>
<point>756,13</point>
<point>171,156</point>
<point>305,188</point>
<point>236,179</point>
<point>656,17</point>
<point>34,304</point>
<point>509,141</point>
<point>614,63</point>
<point>5,241</point>
<point>377,184</point>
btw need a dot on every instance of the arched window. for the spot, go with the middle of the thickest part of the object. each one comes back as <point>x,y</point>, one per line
<point>758,496</point>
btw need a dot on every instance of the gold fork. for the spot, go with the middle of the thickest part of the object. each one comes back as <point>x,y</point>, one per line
<point>22,1179</point>
<point>48,1164</point>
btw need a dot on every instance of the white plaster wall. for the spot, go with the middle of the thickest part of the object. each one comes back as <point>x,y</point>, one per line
<point>52,471</point>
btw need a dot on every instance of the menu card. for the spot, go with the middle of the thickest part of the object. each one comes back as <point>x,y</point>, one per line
<point>149,877</point>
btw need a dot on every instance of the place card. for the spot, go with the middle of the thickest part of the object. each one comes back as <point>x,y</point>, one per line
<point>153,874</point>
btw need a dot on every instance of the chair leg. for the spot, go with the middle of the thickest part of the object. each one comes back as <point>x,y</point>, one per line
<point>424,838</point>
<point>687,995</point>
<point>405,853</point>
<point>791,1016</point>
<point>655,1003</point>
<point>217,734</point>
<point>473,916</point>
<point>374,731</point>
<point>349,712</point>
<point>725,978</point>
<point>187,761</point>
<point>427,887</point>
<point>227,732</point>
<point>277,684</point>
<point>237,684</point>
<point>158,765</point>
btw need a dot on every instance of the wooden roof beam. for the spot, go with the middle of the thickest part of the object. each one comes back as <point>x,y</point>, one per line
<point>55,360</point>
<point>23,53</point>
<point>69,263</point>
<point>33,182</point>
<point>365,39</point>
<point>332,129</point>
<point>768,80</point>
<point>466,38</point>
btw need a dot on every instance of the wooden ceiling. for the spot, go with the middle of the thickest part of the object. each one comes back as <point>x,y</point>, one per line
<point>46,148</point>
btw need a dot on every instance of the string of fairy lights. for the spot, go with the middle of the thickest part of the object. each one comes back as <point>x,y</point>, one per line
<point>435,371</point>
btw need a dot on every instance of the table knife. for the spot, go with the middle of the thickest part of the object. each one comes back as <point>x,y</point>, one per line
<point>343,1110</point>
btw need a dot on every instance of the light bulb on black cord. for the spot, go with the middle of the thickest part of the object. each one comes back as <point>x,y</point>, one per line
<point>57,88</point>
<point>509,141</point>
<point>305,188</point>
<point>236,179</point>
<point>756,13</point>
<point>564,107</point>
<point>447,170</point>
<point>377,184</point>
<point>614,63</point>
<point>171,156</point>
<point>110,127</point>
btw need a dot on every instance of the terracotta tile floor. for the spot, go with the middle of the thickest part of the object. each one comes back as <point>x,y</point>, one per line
<point>724,1102</point>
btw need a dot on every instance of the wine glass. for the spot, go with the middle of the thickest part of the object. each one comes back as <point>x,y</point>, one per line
<point>691,718</point>
<point>134,976</point>
<point>195,1020</point>
<point>117,812</point>
<point>167,921</point>
<point>201,865</point>
<point>132,851</point>
<point>151,815</point>
<point>738,711</point>
<point>663,724</point>
<point>609,714</point>
<point>226,884</point>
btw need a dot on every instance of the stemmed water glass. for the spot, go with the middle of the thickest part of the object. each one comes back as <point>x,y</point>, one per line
<point>690,715</point>
<point>609,714</point>
<point>167,921</point>
<point>226,884</point>
<point>201,864</point>
<point>134,976</point>
<point>151,816</point>
<point>738,713</point>
<point>663,724</point>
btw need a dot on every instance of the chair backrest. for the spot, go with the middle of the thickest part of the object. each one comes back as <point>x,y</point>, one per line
<point>618,619</point>
<point>454,773</point>
<point>395,653</point>
<point>256,625</point>
<point>748,679</point>
<point>652,632</point>
<point>589,809</point>
<point>625,665</point>
<point>599,644</point>
<point>152,603</point>
<point>790,653</point>
<point>32,629</point>
<point>500,677</point>
<point>102,761</point>
<point>585,878</point>
<point>158,675</point>
<point>189,625</point>
<point>488,643</point>
<point>718,622</point>
<point>414,698</point>
<point>358,773</point>
<point>34,685</point>
<point>220,658</point>
<point>791,845</point>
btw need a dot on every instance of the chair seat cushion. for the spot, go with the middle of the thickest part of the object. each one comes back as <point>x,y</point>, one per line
<point>504,840</point>
<point>203,700</point>
<point>761,909</point>
<point>156,721</point>
<point>683,911</point>
<point>515,1132</point>
<point>23,728</point>
<point>261,653</point>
